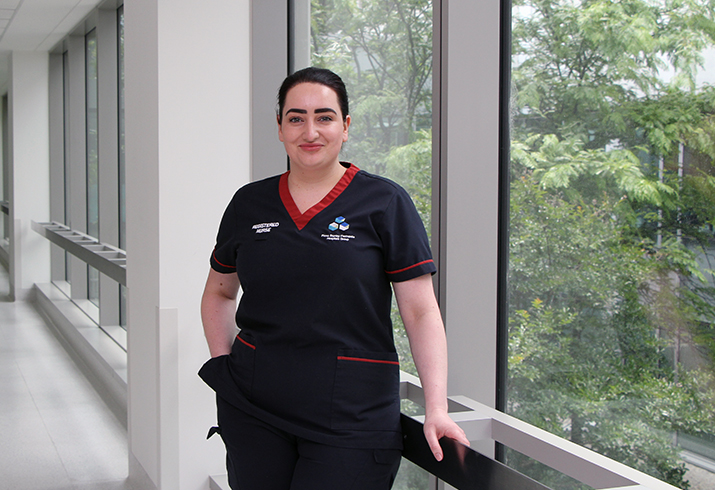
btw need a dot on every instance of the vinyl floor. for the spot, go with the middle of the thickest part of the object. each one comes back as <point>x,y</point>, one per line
<point>56,433</point>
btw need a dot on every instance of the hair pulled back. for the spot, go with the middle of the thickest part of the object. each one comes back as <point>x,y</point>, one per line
<point>312,74</point>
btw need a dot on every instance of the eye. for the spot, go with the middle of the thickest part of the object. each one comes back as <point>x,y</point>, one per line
<point>325,118</point>
<point>295,120</point>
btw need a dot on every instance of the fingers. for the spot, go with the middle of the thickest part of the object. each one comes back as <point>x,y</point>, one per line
<point>433,434</point>
<point>433,442</point>
<point>458,435</point>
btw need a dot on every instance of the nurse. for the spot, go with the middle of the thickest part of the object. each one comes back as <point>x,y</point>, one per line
<point>305,367</point>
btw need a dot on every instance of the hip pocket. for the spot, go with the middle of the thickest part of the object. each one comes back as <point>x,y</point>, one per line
<point>366,391</point>
<point>242,362</point>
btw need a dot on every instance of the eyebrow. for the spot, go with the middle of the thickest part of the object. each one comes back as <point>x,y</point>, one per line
<point>317,111</point>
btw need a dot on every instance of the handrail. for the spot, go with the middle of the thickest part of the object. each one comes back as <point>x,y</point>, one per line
<point>464,468</point>
<point>108,260</point>
<point>461,467</point>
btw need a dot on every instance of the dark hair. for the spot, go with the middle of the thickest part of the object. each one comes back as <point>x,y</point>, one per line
<point>314,75</point>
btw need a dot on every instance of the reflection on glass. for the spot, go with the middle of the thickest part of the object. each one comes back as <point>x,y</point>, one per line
<point>611,289</point>
<point>383,52</point>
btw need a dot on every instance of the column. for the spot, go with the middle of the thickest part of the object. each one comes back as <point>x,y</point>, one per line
<point>187,150</point>
<point>28,151</point>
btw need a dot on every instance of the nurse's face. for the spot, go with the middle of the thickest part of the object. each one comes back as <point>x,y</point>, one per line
<point>312,127</point>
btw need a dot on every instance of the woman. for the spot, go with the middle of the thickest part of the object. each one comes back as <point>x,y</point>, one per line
<point>307,392</point>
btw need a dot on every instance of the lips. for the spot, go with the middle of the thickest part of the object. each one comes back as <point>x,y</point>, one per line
<point>310,147</point>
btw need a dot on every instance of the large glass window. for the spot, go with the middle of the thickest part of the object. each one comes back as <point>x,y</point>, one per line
<point>92,123</point>
<point>383,52</point>
<point>90,88</point>
<point>4,178</point>
<point>66,150</point>
<point>122,161</point>
<point>611,245</point>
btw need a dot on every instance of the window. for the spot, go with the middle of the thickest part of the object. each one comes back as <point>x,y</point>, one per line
<point>4,178</point>
<point>92,154</point>
<point>611,245</point>
<point>93,163</point>
<point>383,52</point>
<point>122,162</point>
<point>66,152</point>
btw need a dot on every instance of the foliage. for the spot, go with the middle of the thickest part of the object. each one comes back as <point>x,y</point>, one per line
<point>383,51</point>
<point>610,231</point>
<point>584,359</point>
<point>578,61</point>
<point>610,235</point>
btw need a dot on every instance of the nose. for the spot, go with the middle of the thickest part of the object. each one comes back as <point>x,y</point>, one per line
<point>311,131</point>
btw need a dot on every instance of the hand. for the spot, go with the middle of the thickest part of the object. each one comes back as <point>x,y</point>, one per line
<point>437,425</point>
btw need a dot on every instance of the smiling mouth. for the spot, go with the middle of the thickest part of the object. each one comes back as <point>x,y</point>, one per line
<point>310,147</point>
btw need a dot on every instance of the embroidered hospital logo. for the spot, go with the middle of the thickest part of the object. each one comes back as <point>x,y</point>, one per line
<point>339,224</point>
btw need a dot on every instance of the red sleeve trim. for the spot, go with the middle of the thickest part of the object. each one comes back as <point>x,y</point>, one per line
<point>362,359</point>
<point>410,267</point>
<point>246,343</point>
<point>219,263</point>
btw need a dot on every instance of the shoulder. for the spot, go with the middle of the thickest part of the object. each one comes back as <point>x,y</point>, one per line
<point>378,183</point>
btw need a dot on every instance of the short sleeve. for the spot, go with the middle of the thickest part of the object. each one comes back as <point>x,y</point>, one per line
<point>404,239</point>
<point>223,257</point>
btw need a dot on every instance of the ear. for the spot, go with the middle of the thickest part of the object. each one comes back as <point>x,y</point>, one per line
<point>346,126</point>
<point>280,130</point>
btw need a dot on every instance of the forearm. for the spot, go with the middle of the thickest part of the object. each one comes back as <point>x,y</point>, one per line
<point>428,342</point>
<point>218,308</point>
<point>217,316</point>
<point>429,351</point>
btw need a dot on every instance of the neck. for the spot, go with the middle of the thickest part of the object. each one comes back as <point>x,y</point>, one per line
<point>309,188</point>
<point>316,178</point>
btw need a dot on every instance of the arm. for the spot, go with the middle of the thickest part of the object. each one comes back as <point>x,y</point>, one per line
<point>218,308</point>
<point>425,331</point>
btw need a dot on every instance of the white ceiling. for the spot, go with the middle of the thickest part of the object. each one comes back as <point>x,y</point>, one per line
<point>37,25</point>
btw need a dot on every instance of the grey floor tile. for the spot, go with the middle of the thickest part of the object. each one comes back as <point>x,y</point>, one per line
<point>56,433</point>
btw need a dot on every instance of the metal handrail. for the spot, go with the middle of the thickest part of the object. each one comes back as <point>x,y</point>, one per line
<point>461,467</point>
<point>110,261</point>
<point>464,468</point>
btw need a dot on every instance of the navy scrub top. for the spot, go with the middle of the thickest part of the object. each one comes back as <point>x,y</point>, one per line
<point>315,354</point>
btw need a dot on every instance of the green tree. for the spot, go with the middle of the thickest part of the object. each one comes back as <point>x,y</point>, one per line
<point>609,247</point>
<point>383,51</point>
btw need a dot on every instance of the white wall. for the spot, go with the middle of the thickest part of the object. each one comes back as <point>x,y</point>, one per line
<point>187,150</point>
<point>29,169</point>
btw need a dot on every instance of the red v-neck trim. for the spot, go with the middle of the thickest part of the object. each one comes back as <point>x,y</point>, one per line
<point>302,219</point>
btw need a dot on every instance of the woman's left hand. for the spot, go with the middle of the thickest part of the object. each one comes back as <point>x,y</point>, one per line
<point>438,424</point>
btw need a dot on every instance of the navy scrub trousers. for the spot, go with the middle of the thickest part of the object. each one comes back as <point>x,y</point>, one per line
<point>262,457</point>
